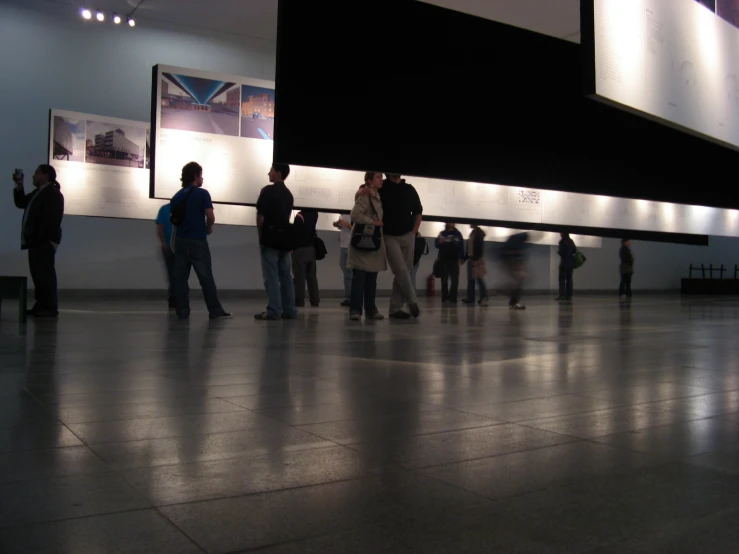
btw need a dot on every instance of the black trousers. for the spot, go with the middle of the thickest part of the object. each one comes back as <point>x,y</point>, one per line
<point>450,272</point>
<point>41,262</point>
<point>624,288</point>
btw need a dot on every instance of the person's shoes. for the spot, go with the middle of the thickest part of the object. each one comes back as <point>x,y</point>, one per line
<point>315,305</point>
<point>377,316</point>
<point>345,304</point>
<point>400,314</point>
<point>224,315</point>
<point>300,305</point>
<point>467,301</point>
<point>264,316</point>
<point>415,310</point>
<point>172,303</point>
<point>559,298</point>
<point>355,316</point>
<point>285,316</point>
<point>483,302</point>
<point>517,307</point>
<point>568,299</point>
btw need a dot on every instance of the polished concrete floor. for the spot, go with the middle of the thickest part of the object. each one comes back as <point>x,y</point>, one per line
<point>595,427</point>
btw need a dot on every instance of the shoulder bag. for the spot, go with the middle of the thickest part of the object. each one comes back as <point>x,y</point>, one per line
<point>366,236</point>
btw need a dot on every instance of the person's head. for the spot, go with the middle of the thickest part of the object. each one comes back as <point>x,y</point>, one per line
<point>278,173</point>
<point>626,242</point>
<point>192,174</point>
<point>565,236</point>
<point>450,226</point>
<point>44,175</point>
<point>393,177</point>
<point>373,179</point>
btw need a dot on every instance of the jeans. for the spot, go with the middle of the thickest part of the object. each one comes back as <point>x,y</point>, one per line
<point>399,251</point>
<point>278,283</point>
<point>624,288</point>
<point>471,286</point>
<point>565,281</point>
<point>450,271</point>
<point>304,268</point>
<point>364,289</point>
<point>41,262</point>
<point>168,258</point>
<point>343,260</point>
<point>195,254</point>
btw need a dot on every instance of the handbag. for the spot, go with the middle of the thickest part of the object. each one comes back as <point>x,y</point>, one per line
<point>320,247</point>
<point>439,270</point>
<point>366,236</point>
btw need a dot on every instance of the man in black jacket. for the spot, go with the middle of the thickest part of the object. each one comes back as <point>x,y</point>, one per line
<point>451,254</point>
<point>41,233</point>
<point>304,258</point>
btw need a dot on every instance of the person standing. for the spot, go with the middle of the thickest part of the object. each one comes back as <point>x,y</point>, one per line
<point>365,264</point>
<point>626,268</point>
<point>402,215</point>
<point>450,244</point>
<point>304,258</point>
<point>567,250</point>
<point>420,249</point>
<point>164,234</point>
<point>276,240</point>
<point>476,269</point>
<point>41,233</point>
<point>191,248</point>
<point>344,225</point>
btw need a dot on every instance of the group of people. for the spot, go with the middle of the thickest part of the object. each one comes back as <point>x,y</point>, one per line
<point>380,233</point>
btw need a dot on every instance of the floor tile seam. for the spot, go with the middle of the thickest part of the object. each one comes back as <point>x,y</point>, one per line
<point>300,425</point>
<point>122,470</point>
<point>150,507</point>
<point>706,392</point>
<point>147,417</point>
<point>571,414</point>
<point>493,423</point>
<point>184,533</point>
<point>573,440</point>
<point>108,470</point>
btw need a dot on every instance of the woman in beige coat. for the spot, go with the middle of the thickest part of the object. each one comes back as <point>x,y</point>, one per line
<point>365,264</point>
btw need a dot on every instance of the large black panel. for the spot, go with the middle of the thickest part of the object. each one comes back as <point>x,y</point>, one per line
<point>407,87</point>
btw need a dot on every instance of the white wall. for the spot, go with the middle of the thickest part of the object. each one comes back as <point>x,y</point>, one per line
<point>51,59</point>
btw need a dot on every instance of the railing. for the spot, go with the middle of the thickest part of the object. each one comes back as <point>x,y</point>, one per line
<point>702,269</point>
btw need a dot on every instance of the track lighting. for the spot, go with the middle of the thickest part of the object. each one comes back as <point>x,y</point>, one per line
<point>100,16</point>
<point>131,22</point>
<point>116,19</point>
<point>86,14</point>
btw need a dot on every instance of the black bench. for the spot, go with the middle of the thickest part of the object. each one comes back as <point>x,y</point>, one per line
<point>15,288</point>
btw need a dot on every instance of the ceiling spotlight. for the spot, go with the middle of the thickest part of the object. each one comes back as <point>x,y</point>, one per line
<point>131,22</point>
<point>116,19</point>
<point>100,16</point>
<point>86,14</point>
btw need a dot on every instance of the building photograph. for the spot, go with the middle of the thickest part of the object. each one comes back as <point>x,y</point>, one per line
<point>257,112</point>
<point>729,11</point>
<point>69,139</point>
<point>116,145</point>
<point>200,105</point>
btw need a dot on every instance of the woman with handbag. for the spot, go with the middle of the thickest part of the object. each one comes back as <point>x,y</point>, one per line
<point>366,249</point>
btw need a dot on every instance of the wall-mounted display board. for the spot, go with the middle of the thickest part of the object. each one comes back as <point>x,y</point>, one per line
<point>226,123</point>
<point>102,164</point>
<point>674,60</point>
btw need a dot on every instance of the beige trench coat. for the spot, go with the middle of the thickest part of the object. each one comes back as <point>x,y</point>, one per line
<point>367,209</point>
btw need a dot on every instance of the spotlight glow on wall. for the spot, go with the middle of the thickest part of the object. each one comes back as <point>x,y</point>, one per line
<point>86,14</point>
<point>100,16</point>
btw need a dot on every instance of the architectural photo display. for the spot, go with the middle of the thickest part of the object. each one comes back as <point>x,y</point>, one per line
<point>257,112</point>
<point>200,105</point>
<point>116,145</point>
<point>725,9</point>
<point>69,139</point>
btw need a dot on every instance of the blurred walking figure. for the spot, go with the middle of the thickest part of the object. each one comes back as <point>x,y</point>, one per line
<point>304,258</point>
<point>450,244</point>
<point>344,225</point>
<point>513,254</point>
<point>626,268</point>
<point>567,250</point>
<point>367,249</point>
<point>476,269</point>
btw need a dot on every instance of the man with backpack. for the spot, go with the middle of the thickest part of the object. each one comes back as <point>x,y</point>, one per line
<point>191,214</point>
<point>567,251</point>
<point>276,241</point>
<point>450,244</point>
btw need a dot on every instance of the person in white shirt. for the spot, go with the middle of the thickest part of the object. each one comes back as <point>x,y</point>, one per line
<point>344,225</point>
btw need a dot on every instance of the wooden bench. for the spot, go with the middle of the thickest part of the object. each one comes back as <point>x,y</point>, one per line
<point>14,288</point>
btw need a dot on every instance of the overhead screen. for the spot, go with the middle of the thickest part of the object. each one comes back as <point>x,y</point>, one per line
<point>674,60</point>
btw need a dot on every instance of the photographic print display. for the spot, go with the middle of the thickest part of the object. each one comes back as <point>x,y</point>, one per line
<point>675,60</point>
<point>235,171</point>
<point>68,139</point>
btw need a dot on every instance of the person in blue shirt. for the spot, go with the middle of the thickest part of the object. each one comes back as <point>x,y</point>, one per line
<point>191,243</point>
<point>164,234</point>
<point>450,244</point>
